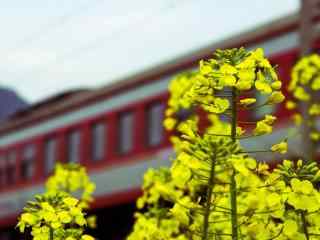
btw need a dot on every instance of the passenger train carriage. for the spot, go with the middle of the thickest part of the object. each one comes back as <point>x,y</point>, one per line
<point>116,131</point>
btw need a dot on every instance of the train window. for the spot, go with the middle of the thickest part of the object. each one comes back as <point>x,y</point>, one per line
<point>28,159</point>
<point>11,167</point>
<point>262,111</point>
<point>74,146</point>
<point>50,154</point>
<point>154,124</point>
<point>98,140</point>
<point>125,132</point>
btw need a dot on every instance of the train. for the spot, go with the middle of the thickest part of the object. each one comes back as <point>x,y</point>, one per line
<point>116,131</point>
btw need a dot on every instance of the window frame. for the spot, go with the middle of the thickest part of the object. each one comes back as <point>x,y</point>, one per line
<point>133,113</point>
<point>67,135</point>
<point>13,171</point>
<point>56,138</point>
<point>105,152</point>
<point>32,161</point>
<point>148,109</point>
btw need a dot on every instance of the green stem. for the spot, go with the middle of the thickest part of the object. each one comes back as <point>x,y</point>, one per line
<point>233,196</point>
<point>205,234</point>
<point>234,114</point>
<point>51,234</point>
<point>233,185</point>
<point>304,225</point>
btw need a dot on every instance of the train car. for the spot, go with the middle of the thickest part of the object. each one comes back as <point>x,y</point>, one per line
<point>116,132</point>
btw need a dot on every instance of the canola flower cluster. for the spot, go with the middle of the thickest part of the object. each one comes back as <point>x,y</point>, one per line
<point>304,86</point>
<point>57,214</point>
<point>230,69</point>
<point>72,178</point>
<point>215,189</point>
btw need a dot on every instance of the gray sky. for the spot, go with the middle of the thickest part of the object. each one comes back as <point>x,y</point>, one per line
<point>50,46</point>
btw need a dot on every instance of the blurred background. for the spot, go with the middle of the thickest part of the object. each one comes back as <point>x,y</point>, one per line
<point>52,46</point>
<point>86,81</point>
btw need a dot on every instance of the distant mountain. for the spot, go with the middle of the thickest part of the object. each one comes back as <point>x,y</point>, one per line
<point>10,103</point>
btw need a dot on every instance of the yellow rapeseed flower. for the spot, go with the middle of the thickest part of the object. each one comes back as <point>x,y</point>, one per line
<point>228,69</point>
<point>262,128</point>
<point>301,94</point>
<point>247,101</point>
<point>275,98</point>
<point>297,119</point>
<point>86,237</point>
<point>290,105</point>
<point>281,147</point>
<point>276,85</point>
<point>315,136</point>
<point>316,84</point>
<point>169,123</point>
<point>314,109</point>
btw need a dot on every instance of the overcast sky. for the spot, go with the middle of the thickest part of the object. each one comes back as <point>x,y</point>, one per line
<point>49,46</point>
